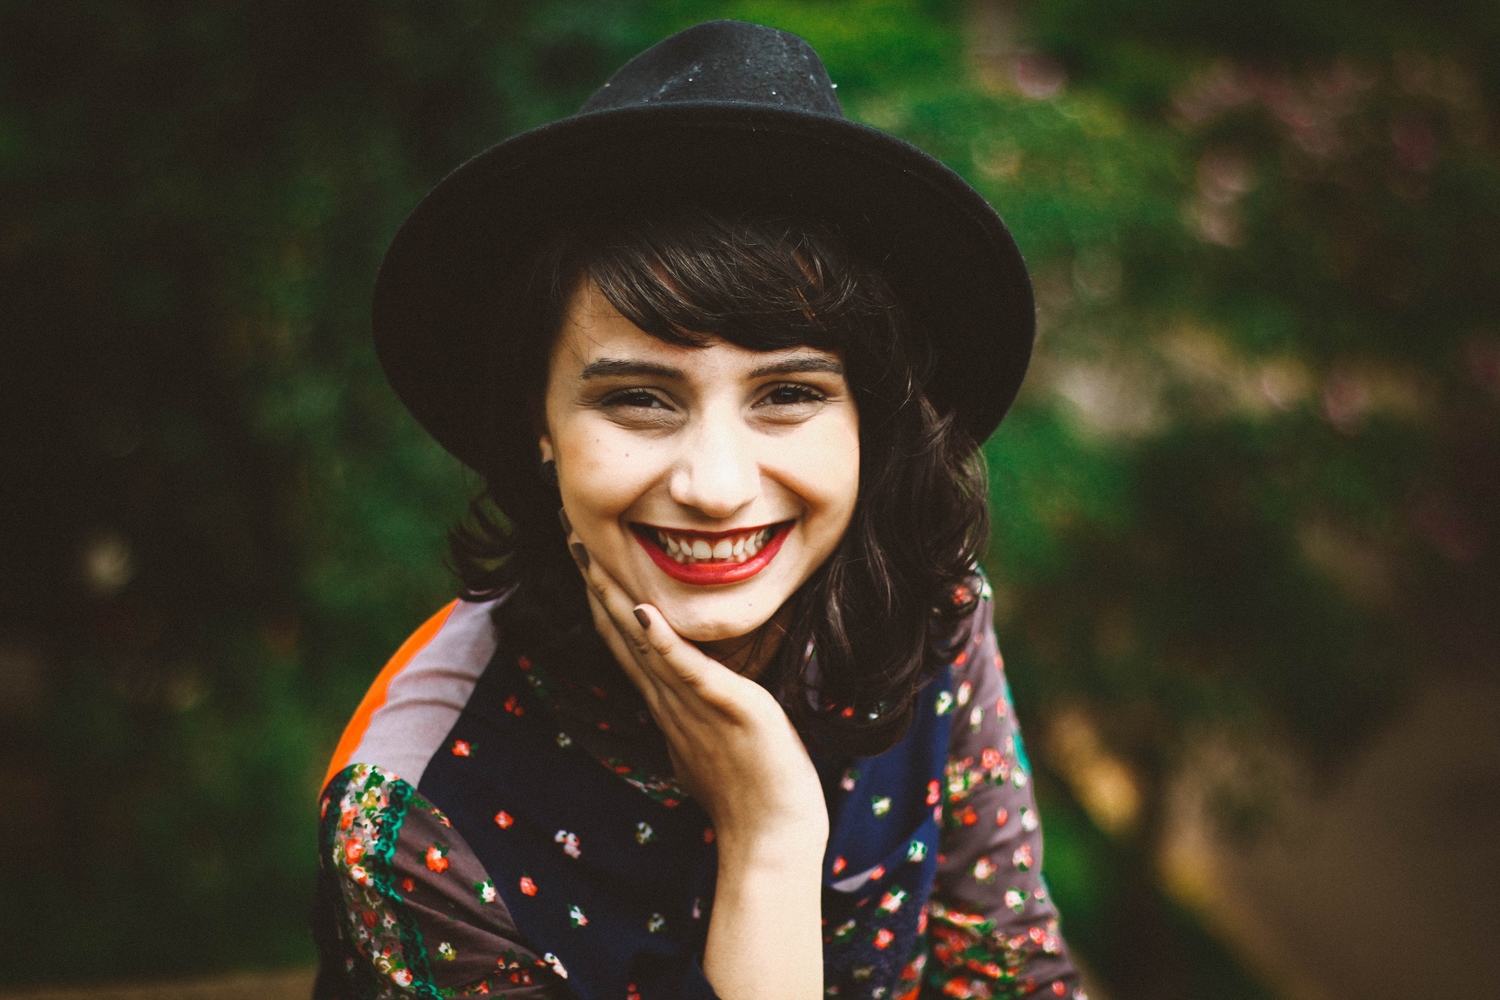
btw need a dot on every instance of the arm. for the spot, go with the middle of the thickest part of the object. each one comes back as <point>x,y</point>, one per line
<point>736,752</point>
<point>401,907</point>
<point>992,920</point>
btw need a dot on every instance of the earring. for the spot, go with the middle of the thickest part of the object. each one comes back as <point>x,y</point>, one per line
<point>549,473</point>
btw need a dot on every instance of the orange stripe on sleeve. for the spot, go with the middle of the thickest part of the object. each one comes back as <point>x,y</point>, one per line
<point>375,697</point>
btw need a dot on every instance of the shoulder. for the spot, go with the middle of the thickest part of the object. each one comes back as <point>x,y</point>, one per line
<point>978,689</point>
<point>414,700</point>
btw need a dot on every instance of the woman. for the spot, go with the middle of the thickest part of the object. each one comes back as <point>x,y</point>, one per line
<point>722,358</point>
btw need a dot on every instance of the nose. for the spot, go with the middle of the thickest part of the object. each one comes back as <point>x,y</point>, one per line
<point>717,472</point>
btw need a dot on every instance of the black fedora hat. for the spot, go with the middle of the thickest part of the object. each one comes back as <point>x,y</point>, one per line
<point>724,113</point>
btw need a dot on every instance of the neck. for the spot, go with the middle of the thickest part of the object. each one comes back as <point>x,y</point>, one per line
<point>749,654</point>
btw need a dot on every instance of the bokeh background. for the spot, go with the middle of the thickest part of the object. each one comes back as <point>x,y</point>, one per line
<point>1246,510</point>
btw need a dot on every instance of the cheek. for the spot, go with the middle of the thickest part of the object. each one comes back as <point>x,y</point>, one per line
<point>825,470</point>
<point>600,477</point>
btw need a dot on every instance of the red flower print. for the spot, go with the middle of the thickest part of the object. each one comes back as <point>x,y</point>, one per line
<point>346,817</point>
<point>848,713</point>
<point>968,817</point>
<point>504,819</point>
<point>877,873</point>
<point>1002,817</point>
<point>839,864</point>
<point>461,748</point>
<point>1022,860</point>
<point>437,858</point>
<point>708,835</point>
<point>960,660</point>
<point>354,850</point>
<point>1058,989</point>
<point>408,885</point>
<point>883,938</point>
<point>513,706</point>
<point>528,886</point>
<point>523,663</point>
<point>598,691</point>
<point>933,794</point>
<point>369,918</point>
<point>989,759</point>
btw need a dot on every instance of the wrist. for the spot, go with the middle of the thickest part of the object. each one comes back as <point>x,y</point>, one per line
<point>791,850</point>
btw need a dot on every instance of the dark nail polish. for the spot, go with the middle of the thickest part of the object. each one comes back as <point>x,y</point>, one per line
<point>580,554</point>
<point>562,515</point>
<point>640,616</point>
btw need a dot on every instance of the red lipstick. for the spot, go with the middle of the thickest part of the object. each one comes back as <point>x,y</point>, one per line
<point>712,572</point>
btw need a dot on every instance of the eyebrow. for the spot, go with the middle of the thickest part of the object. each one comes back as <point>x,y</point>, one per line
<point>606,367</point>
<point>626,368</point>
<point>800,365</point>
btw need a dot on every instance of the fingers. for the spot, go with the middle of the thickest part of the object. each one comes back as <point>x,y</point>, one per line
<point>666,642</point>
<point>644,679</point>
<point>652,643</point>
<point>614,601</point>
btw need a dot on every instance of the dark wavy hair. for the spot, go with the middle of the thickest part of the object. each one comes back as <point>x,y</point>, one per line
<point>880,611</point>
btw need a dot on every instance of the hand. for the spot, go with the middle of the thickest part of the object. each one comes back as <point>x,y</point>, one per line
<point>736,752</point>
<point>732,746</point>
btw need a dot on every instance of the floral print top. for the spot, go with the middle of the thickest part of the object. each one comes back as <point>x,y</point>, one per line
<point>500,827</point>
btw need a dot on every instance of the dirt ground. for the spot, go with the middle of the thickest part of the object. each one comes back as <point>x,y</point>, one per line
<point>1389,887</point>
<point>293,985</point>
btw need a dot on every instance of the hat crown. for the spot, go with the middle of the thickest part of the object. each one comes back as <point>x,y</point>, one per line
<point>723,61</point>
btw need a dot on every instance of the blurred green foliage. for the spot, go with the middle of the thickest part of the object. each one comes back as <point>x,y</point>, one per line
<point>1251,487</point>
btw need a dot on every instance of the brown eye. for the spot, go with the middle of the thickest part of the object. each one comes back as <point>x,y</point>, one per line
<point>791,395</point>
<point>637,398</point>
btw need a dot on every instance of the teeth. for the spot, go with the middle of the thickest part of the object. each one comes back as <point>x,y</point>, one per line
<point>684,549</point>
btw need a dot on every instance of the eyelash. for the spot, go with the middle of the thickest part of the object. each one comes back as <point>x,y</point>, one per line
<point>645,399</point>
<point>804,393</point>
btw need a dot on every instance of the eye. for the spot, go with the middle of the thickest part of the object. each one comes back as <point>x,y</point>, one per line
<point>637,398</point>
<point>792,394</point>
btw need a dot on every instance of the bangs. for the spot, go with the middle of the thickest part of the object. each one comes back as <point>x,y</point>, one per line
<point>761,285</point>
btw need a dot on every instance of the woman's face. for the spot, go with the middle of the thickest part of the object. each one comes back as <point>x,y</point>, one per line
<point>708,481</point>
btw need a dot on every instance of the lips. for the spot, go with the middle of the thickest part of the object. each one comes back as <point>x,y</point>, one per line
<point>706,558</point>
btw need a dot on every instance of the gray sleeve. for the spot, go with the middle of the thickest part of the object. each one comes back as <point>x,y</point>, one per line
<point>991,920</point>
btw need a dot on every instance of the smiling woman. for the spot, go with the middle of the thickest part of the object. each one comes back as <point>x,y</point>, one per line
<point>687,468</point>
<point>719,711</point>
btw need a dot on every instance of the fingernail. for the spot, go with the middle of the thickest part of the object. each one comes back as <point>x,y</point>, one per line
<point>580,554</point>
<point>641,617</point>
<point>562,515</point>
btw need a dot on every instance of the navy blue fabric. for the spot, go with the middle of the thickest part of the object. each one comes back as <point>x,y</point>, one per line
<point>902,839</point>
<point>647,904</point>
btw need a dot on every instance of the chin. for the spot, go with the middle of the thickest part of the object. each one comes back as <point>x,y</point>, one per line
<point>711,624</point>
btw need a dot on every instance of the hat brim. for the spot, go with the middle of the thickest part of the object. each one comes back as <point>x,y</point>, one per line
<point>460,263</point>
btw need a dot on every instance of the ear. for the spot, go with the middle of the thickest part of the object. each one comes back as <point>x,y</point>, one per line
<point>537,413</point>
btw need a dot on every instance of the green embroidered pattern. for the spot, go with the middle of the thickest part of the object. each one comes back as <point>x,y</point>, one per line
<point>360,840</point>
